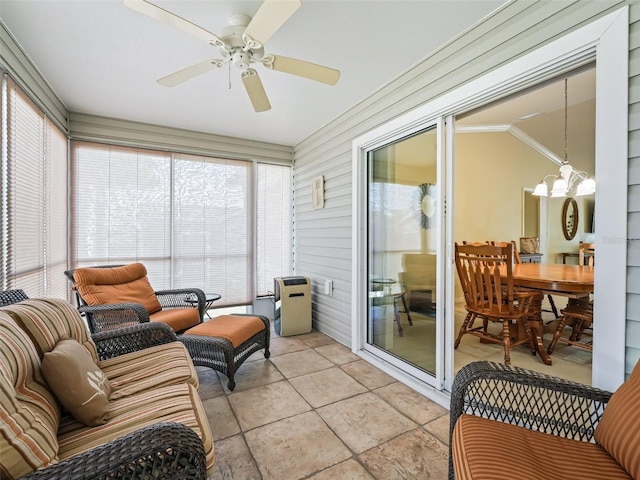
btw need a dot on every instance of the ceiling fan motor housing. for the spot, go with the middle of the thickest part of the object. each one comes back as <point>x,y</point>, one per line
<point>241,59</point>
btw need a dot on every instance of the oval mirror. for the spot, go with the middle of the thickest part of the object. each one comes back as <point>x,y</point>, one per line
<point>569,218</point>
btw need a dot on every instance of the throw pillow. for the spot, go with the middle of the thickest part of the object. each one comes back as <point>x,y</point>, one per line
<point>619,429</point>
<point>78,383</point>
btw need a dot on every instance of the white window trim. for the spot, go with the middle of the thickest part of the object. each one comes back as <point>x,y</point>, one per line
<point>604,40</point>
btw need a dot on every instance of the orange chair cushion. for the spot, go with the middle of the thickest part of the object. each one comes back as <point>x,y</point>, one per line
<point>235,328</point>
<point>127,284</point>
<point>178,319</point>
<point>488,449</point>
<point>619,429</point>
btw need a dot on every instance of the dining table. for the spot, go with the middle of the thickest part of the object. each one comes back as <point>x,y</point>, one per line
<point>571,281</point>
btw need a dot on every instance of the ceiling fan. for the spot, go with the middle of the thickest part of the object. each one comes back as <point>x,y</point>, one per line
<point>241,44</point>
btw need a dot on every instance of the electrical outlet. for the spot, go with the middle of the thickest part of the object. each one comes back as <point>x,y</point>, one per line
<point>328,287</point>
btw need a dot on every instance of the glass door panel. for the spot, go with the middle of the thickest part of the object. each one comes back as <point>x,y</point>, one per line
<point>403,243</point>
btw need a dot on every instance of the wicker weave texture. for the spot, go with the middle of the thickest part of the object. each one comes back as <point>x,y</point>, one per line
<point>219,354</point>
<point>530,399</point>
<point>165,450</point>
<point>8,297</point>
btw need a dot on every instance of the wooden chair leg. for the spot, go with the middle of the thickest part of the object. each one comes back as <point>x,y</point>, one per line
<point>463,328</point>
<point>506,340</point>
<point>557,334</point>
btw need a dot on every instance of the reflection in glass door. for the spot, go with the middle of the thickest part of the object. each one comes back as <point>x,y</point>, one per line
<point>403,233</point>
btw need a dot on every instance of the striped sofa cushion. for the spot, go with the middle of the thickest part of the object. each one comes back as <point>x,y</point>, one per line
<point>29,414</point>
<point>47,320</point>
<point>173,403</point>
<point>166,364</point>
<point>619,429</point>
<point>487,449</point>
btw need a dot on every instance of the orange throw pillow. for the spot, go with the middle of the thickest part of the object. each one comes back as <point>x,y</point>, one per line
<point>619,429</point>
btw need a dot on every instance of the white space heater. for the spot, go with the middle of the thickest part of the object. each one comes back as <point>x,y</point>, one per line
<point>292,304</point>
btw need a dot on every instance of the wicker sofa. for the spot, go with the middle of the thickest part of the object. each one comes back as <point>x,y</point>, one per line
<point>155,425</point>
<point>508,422</point>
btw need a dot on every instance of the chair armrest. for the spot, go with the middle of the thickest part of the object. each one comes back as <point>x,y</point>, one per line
<point>165,450</point>
<point>114,315</point>
<point>117,342</point>
<point>183,298</point>
<point>523,397</point>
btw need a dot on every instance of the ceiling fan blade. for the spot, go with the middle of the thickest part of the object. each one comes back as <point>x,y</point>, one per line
<point>190,72</point>
<point>269,18</point>
<point>162,15</point>
<point>306,69</point>
<point>257,95</point>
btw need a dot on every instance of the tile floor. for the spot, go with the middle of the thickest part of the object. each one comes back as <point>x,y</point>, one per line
<point>314,410</point>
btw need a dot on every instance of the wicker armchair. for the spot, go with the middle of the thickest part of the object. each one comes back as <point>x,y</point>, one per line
<point>516,396</point>
<point>117,314</point>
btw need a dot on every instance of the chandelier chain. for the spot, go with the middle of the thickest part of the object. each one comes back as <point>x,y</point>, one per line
<point>566,148</point>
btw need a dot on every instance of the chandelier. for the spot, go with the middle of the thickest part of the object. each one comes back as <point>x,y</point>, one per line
<point>568,176</point>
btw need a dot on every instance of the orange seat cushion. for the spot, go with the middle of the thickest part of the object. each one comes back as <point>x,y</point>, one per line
<point>127,284</point>
<point>487,449</point>
<point>619,429</point>
<point>235,328</point>
<point>178,319</point>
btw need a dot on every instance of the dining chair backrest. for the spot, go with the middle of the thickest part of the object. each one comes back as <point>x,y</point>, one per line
<point>587,250</point>
<point>481,268</point>
<point>516,255</point>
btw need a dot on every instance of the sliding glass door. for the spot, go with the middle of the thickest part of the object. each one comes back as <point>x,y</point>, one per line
<point>404,313</point>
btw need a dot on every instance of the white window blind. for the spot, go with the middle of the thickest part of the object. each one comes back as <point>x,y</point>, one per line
<point>188,218</point>
<point>273,225</point>
<point>213,228</point>
<point>34,223</point>
<point>122,208</point>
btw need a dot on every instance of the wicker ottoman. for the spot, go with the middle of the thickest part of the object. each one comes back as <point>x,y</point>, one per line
<point>225,342</point>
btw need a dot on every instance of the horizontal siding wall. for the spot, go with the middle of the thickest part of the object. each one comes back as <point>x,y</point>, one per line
<point>124,132</point>
<point>323,237</point>
<point>633,246</point>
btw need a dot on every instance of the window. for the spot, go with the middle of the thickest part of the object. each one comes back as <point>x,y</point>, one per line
<point>34,198</point>
<point>188,218</point>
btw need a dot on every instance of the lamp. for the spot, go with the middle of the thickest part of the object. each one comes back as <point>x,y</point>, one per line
<point>568,176</point>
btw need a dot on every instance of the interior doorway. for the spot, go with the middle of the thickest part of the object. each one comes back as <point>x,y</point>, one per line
<point>514,143</point>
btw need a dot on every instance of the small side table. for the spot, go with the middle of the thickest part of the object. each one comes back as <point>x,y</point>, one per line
<point>209,298</point>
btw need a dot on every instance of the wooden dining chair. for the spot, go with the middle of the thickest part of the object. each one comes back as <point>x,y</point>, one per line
<point>579,316</point>
<point>586,254</point>
<point>489,296</point>
<point>579,313</point>
<point>516,259</point>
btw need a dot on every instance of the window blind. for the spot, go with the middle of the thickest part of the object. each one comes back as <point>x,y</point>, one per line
<point>213,228</point>
<point>190,219</point>
<point>273,226</point>
<point>121,208</point>
<point>34,224</point>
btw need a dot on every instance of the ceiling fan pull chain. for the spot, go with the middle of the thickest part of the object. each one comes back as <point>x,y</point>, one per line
<point>229,70</point>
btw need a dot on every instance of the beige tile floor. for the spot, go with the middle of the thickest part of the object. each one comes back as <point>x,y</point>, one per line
<point>314,410</point>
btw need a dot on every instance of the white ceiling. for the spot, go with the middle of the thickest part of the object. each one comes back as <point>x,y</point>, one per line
<point>103,58</point>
